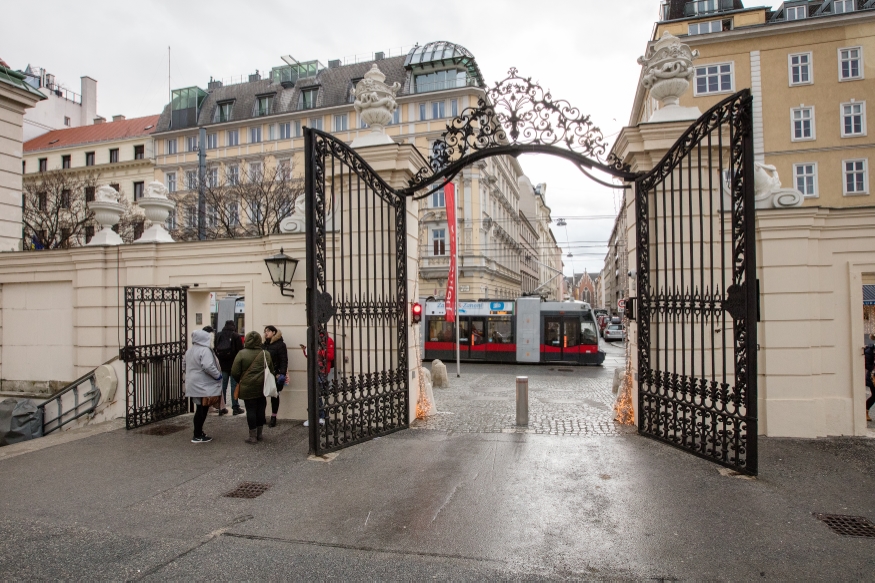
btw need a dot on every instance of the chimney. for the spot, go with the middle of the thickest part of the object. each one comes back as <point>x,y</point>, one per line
<point>99,120</point>
<point>118,118</point>
<point>379,56</point>
<point>214,84</point>
<point>255,77</point>
<point>89,100</point>
<point>333,64</point>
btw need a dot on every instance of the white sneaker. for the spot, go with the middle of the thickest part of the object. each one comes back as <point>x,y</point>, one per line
<point>307,423</point>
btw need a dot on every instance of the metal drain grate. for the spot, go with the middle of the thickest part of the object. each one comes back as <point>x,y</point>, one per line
<point>857,526</point>
<point>162,429</point>
<point>248,490</point>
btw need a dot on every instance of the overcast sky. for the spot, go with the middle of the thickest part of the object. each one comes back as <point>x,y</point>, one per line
<point>584,51</point>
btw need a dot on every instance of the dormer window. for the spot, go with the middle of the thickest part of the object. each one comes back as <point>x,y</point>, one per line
<point>223,111</point>
<point>263,105</point>
<point>307,98</point>
<point>795,12</point>
<point>705,27</point>
<point>842,6</point>
<point>699,7</point>
<point>440,80</point>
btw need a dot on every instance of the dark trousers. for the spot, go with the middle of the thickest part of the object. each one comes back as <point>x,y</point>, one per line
<point>200,415</point>
<point>275,401</point>
<point>871,400</point>
<point>255,411</point>
<point>226,380</point>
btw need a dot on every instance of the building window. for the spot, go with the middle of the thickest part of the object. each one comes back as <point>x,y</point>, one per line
<point>138,190</point>
<point>191,141</point>
<point>191,216</point>
<point>307,98</point>
<point>285,131</point>
<point>170,223</point>
<point>232,138</point>
<point>233,214</point>
<point>115,186</point>
<point>170,146</point>
<point>223,111</point>
<point>437,110</point>
<point>806,178</point>
<point>255,171</point>
<point>65,198</point>
<point>113,155</point>
<point>67,121</point>
<point>438,239</point>
<point>191,180</point>
<point>43,164</point>
<point>284,170</point>
<point>89,158</point>
<point>802,120</point>
<point>842,6</point>
<point>422,112</point>
<point>856,179</point>
<point>439,80</point>
<point>340,122</point>
<point>139,152</point>
<point>89,194</point>
<point>212,141</point>
<point>795,12</point>
<point>42,201</point>
<point>263,105</point>
<point>705,27</point>
<point>170,181</point>
<point>800,69</point>
<point>297,129</point>
<point>396,115</point>
<point>437,199</point>
<point>255,135</point>
<point>65,161</point>
<point>233,175</point>
<point>712,79</point>
<point>212,215</point>
<point>853,119</point>
<point>315,123</point>
<point>850,64</point>
<point>454,107</point>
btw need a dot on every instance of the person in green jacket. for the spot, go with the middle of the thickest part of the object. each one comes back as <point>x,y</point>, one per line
<point>248,371</point>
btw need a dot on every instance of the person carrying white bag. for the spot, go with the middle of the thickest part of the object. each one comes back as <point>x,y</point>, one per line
<point>253,371</point>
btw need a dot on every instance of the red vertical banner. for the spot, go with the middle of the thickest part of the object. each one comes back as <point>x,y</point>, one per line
<point>450,201</point>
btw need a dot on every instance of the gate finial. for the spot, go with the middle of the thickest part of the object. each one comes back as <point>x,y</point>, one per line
<point>668,69</point>
<point>375,104</point>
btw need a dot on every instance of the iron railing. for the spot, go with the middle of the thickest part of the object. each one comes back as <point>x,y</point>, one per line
<point>83,403</point>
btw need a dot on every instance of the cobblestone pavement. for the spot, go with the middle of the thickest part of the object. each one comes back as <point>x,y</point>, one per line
<point>563,400</point>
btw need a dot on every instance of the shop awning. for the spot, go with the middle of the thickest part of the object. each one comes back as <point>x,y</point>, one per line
<point>869,295</point>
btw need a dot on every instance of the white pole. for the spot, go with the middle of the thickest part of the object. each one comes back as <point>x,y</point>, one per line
<point>456,295</point>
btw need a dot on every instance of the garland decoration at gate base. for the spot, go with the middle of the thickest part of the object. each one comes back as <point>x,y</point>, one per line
<point>624,413</point>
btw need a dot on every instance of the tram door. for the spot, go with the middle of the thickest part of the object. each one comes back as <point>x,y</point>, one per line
<point>561,339</point>
<point>472,338</point>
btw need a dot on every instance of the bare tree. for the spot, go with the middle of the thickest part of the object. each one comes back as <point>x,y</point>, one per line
<point>250,205</point>
<point>55,211</point>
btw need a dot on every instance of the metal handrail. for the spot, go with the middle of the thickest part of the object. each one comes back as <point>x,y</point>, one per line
<point>90,399</point>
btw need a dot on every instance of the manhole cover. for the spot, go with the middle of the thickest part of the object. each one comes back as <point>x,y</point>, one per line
<point>248,490</point>
<point>163,429</point>
<point>858,526</point>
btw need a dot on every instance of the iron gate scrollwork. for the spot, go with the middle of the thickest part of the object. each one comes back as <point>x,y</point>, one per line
<point>155,344</point>
<point>697,293</point>
<point>356,296</point>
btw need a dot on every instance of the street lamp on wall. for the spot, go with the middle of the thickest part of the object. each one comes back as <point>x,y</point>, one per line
<point>281,268</point>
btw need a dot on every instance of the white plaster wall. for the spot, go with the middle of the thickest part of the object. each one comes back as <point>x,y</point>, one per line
<point>49,115</point>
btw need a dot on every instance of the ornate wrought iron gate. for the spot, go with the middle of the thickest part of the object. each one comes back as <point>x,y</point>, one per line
<point>356,296</point>
<point>155,343</point>
<point>697,291</point>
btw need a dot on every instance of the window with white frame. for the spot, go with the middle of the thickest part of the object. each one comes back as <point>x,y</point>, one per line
<point>439,241</point>
<point>191,141</point>
<point>853,119</point>
<point>850,64</point>
<point>438,200</point>
<point>232,138</point>
<point>795,12</point>
<point>341,122</point>
<point>362,123</point>
<point>437,109</point>
<point>256,171</point>
<point>800,69</point>
<point>284,169</point>
<point>232,175</point>
<point>806,178</point>
<point>191,216</point>
<point>255,135</point>
<point>454,107</point>
<point>170,146</point>
<point>286,130</point>
<point>263,105</point>
<point>212,215</point>
<point>315,123</point>
<point>717,78</point>
<point>223,112</point>
<point>212,141</point>
<point>802,123</point>
<point>842,6</point>
<point>170,181</point>
<point>297,133</point>
<point>396,115</point>
<point>856,176</point>
<point>705,27</point>
<point>191,179</point>
<point>271,132</point>
<point>170,223</point>
<point>422,112</point>
<point>233,214</point>
<point>213,177</point>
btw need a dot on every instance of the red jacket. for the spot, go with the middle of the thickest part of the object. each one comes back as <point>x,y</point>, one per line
<point>326,357</point>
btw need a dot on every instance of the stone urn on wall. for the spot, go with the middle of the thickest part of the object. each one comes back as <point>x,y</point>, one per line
<point>107,213</point>
<point>668,70</point>
<point>156,207</point>
<point>375,104</point>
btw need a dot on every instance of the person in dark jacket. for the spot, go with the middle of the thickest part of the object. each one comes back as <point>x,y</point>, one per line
<point>869,356</point>
<point>227,344</point>
<point>248,369</point>
<point>276,346</point>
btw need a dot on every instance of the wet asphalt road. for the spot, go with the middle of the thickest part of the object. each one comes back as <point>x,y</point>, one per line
<point>429,504</point>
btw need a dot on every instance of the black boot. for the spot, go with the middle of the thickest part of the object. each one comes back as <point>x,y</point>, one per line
<point>273,420</point>
<point>258,432</point>
<point>253,436</point>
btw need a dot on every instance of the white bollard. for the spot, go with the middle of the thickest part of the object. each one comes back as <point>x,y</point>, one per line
<point>522,400</point>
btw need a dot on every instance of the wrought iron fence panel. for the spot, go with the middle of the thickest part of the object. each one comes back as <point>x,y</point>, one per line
<point>155,344</point>
<point>356,295</point>
<point>697,295</point>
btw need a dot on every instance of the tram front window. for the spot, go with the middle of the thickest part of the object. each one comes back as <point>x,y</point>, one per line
<point>589,334</point>
<point>572,333</point>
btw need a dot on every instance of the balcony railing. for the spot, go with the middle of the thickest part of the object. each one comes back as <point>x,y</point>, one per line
<point>707,7</point>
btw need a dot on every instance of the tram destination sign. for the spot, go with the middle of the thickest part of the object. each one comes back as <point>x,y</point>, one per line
<point>472,308</point>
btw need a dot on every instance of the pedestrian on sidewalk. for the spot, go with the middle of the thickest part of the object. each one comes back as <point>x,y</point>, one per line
<point>228,344</point>
<point>248,369</point>
<point>276,347</point>
<point>324,362</point>
<point>869,357</point>
<point>203,380</point>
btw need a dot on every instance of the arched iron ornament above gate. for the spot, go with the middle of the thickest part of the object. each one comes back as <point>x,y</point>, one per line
<point>516,117</point>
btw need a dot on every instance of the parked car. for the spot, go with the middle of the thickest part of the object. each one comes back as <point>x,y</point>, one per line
<point>615,332</point>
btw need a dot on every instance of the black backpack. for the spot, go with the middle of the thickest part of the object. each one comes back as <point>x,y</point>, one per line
<point>225,345</point>
<point>869,355</point>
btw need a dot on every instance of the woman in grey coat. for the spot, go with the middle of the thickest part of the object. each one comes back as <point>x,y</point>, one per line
<point>202,379</point>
